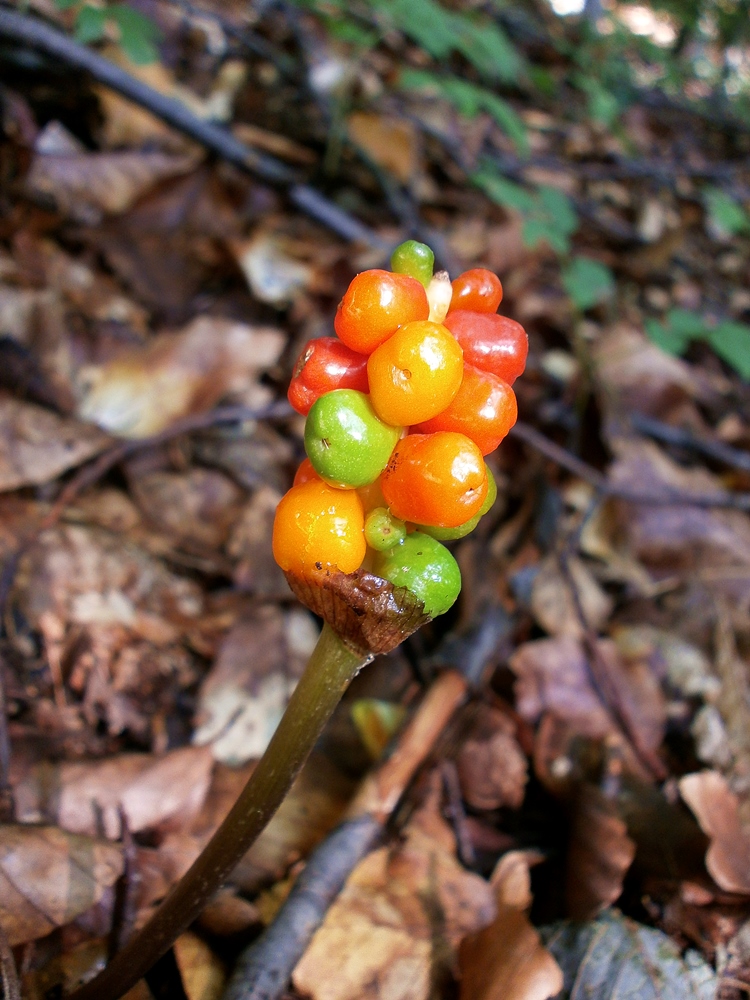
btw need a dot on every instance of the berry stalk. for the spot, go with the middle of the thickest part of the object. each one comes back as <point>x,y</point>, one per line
<point>329,671</point>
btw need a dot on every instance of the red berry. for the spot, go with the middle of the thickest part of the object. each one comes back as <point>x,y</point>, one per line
<point>484,409</point>
<point>324,365</point>
<point>493,343</point>
<point>375,305</point>
<point>478,289</point>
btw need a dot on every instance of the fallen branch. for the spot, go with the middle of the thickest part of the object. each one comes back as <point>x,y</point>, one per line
<point>30,31</point>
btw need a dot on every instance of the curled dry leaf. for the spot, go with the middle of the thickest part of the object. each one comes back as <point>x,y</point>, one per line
<point>48,877</point>
<point>36,445</point>
<point>391,142</point>
<point>273,274</point>
<point>554,606</point>
<point>491,766</point>
<point>145,390</point>
<point>393,931</point>
<point>86,186</point>
<point>716,808</point>
<point>202,972</point>
<point>153,792</point>
<point>554,675</point>
<point>599,855</point>
<point>506,960</point>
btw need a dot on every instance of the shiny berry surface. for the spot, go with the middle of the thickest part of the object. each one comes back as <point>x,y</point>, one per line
<point>319,528</point>
<point>415,373</point>
<point>375,305</point>
<point>493,343</point>
<point>383,530</point>
<point>437,479</point>
<point>415,259</point>
<point>325,364</point>
<point>346,441</point>
<point>426,568</point>
<point>484,409</point>
<point>305,473</point>
<point>478,290</point>
<point>451,534</point>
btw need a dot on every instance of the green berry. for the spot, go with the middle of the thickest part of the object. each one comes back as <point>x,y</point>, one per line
<point>414,259</point>
<point>426,568</point>
<point>346,441</point>
<point>451,534</point>
<point>383,530</point>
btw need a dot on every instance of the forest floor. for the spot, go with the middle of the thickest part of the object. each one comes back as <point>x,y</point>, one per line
<point>577,814</point>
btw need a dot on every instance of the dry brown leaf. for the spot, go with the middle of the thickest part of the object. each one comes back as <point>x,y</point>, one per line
<point>153,792</point>
<point>553,676</point>
<point>147,389</point>
<point>553,603</point>
<point>716,808</point>
<point>36,445</point>
<point>48,877</point>
<point>272,273</point>
<point>202,973</point>
<point>392,143</point>
<point>393,931</point>
<point>491,765</point>
<point>599,855</point>
<point>506,960</point>
<point>88,185</point>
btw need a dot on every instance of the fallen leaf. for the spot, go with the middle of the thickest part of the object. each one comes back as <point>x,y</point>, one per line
<point>153,792</point>
<point>88,185</point>
<point>390,142</point>
<point>48,877</point>
<point>145,390</point>
<point>273,274</point>
<point>716,808</point>
<point>506,960</point>
<point>600,854</point>
<point>614,958</point>
<point>37,445</point>
<point>202,973</point>
<point>491,766</point>
<point>393,931</point>
<point>554,606</point>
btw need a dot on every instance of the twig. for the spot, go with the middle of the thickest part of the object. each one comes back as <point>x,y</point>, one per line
<point>264,969</point>
<point>7,808</point>
<point>664,498</point>
<point>682,438</point>
<point>36,34</point>
<point>8,974</point>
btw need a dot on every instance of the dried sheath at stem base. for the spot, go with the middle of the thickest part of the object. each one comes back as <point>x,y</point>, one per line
<point>369,613</point>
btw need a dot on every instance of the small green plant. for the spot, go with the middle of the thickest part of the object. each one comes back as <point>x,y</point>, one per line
<point>587,282</point>
<point>137,34</point>
<point>726,213</point>
<point>730,340</point>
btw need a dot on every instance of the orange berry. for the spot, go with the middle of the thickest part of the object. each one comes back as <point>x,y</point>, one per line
<point>415,373</point>
<point>375,305</point>
<point>319,528</point>
<point>305,473</point>
<point>435,479</point>
<point>478,290</point>
<point>484,409</point>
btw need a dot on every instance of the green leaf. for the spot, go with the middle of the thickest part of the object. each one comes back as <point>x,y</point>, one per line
<point>559,209</point>
<point>603,105</point>
<point>587,282</point>
<point>674,335</point>
<point>66,4</point>
<point>90,24</point>
<point>731,341</point>
<point>504,192</point>
<point>725,212</point>
<point>687,324</point>
<point>138,34</point>
<point>539,230</point>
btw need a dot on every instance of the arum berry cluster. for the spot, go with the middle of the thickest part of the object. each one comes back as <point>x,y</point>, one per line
<point>402,407</point>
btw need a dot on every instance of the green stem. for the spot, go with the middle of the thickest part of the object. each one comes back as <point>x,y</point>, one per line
<point>327,675</point>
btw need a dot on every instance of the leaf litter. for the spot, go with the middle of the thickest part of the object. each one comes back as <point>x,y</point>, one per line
<point>150,643</point>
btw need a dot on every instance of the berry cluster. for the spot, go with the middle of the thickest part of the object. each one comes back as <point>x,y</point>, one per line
<point>401,410</point>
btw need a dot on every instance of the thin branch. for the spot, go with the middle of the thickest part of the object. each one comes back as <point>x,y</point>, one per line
<point>680,437</point>
<point>36,34</point>
<point>8,973</point>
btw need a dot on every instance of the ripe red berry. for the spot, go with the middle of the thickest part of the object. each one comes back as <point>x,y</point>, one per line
<point>478,290</point>
<point>493,343</point>
<point>484,409</point>
<point>325,364</point>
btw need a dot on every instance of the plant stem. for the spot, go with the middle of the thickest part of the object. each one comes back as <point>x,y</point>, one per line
<point>327,675</point>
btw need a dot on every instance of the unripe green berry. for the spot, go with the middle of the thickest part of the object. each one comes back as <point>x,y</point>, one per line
<point>426,568</point>
<point>383,530</point>
<point>414,259</point>
<point>346,441</point>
